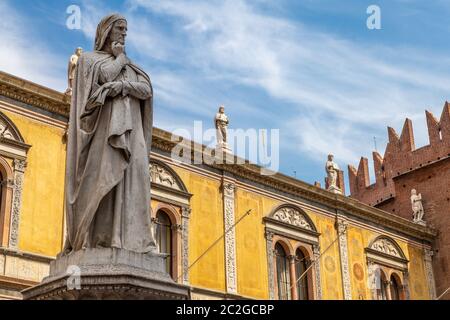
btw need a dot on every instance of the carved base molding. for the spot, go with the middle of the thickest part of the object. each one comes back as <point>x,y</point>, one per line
<point>107,274</point>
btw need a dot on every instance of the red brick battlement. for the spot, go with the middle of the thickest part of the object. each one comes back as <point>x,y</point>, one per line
<point>400,157</point>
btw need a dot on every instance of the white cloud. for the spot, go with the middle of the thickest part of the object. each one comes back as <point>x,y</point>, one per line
<point>23,54</point>
<point>343,92</point>
<point>328,93</point>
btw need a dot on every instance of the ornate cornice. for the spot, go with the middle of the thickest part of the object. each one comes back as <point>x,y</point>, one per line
<point>165,141</point>
<point>33,94</point>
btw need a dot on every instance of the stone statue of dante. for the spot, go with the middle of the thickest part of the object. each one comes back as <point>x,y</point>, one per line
<point>331,168</point>
<point>110,130</point>
<point>221,122</point>
<point>417,207</point>
<point>71,69</point>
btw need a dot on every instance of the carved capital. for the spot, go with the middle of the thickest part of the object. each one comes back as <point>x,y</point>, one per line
<point>186,212</point>
<point>228,189</point>
<point>177,227</point>
<point>341,225</point>
<point>316,250</point>
<point>428,254</point>
<point>20,165</point>
<point>269,235</point>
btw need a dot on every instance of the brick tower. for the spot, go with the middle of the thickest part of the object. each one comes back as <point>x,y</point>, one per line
<point>404,168</point>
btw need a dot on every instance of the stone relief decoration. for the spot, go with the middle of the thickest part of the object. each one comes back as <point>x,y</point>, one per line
<point>230,237</point>
<point>19,169</point>
<point>185,214</point>
<point>293,216</point>
<point>343,248</point>
<point>387,246</point>
<point>163,175</point>
<point>8,130</point>
<point>270,262</point>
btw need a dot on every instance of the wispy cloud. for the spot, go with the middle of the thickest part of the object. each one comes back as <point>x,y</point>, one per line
<point>333,94</point>
<point>24,54</point>
<point>326,91</point>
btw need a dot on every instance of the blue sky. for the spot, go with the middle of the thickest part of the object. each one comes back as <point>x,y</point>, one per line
<point>310,68</point>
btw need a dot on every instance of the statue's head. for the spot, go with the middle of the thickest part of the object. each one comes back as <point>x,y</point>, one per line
<point>222,109</point>
<point>112,28</point>
<point>79,51</point>
<point>330,157</point>
<point>413,192</point>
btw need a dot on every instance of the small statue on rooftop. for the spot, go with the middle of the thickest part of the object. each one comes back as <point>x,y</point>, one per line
<point>71,69</point>
<point>417,207</point>
<point>332,170</point>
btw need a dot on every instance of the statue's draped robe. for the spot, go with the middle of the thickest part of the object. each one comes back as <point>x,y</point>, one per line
<point>221,128</point>
<point>107,174</point>
<point>331,169</point>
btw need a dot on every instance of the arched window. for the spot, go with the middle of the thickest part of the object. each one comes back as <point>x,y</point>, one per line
<point>301,264</point>
<point>164,237</point>
<point>395,288</point>
<point>2,204</point>
<point>283,275</point>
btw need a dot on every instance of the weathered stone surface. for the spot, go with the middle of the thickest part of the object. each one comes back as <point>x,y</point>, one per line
<point>108,273</point>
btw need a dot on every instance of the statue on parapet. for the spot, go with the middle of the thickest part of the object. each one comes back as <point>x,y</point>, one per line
<point>417,207</point>
<point>71,69</point>
<point>221,123</point>
<point>332,170</point>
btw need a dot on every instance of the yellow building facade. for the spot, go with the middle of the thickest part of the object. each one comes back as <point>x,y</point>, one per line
<point>229,232</point>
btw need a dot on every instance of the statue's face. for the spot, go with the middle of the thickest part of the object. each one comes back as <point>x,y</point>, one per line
<point>79,52</point>
<point>221,110</point>
<point>118,32</point>
<point>413,192</point>
<point>330,157</point>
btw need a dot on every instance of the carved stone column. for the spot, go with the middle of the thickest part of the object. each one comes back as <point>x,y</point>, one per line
<point>19,169</point>
<point>270,264</point>
<point>293,278</point>
<point>317,282</point>
<point>406,285</point>
<point>387,284</point>
<point>372,279</point>
<point>230,236</point>
<point>341,226</point>
<point>428,254</point>
<point>185,215</point>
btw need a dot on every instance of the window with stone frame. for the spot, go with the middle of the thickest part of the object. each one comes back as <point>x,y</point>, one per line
<point>387,269</point>
<point>170,218</point>
<point>13,155</point>
<point>292,247</point>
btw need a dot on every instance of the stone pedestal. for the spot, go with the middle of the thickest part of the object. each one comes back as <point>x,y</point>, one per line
<point>223,147</point>
<point>421,222</point>
<point>223,154</point>
<point>110,273</point>
<point>335,190</point>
